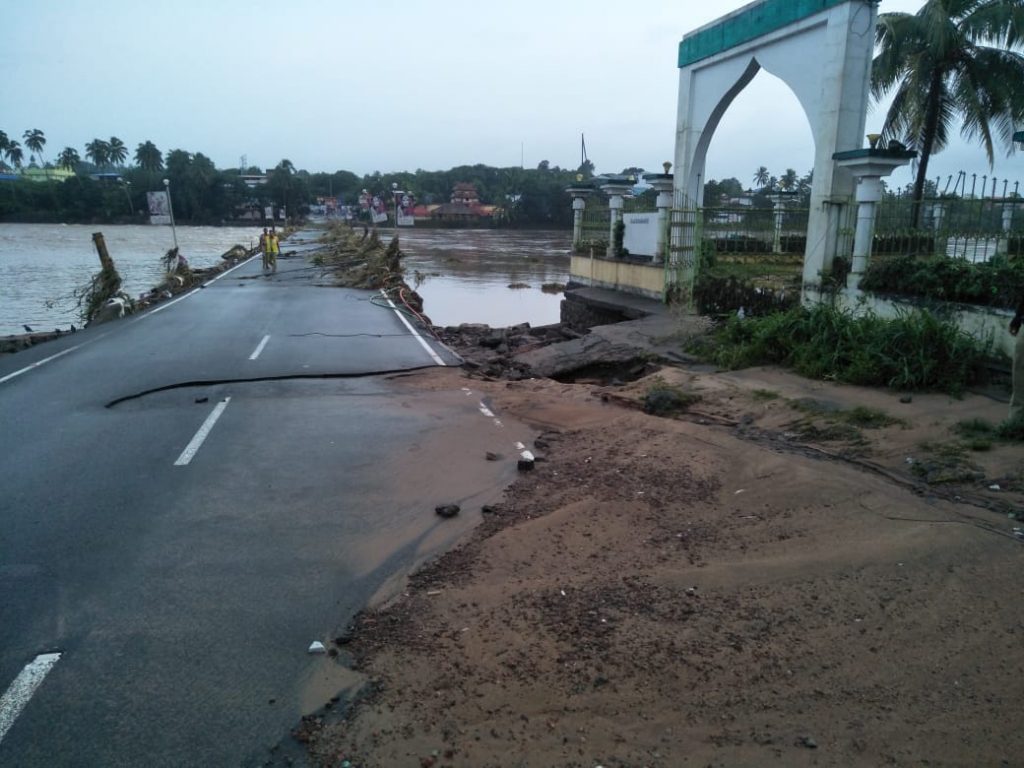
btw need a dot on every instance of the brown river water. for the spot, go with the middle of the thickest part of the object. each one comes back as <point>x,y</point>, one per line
<point>463,275</point>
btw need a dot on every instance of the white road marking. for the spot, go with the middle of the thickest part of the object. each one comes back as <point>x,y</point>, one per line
<point>172,302</point>
<point>260,347</point>
<point>20,691</point>
<point>412,330</point>
<point>160,308</point>
<point>520,447</point>
<point>200,436</point>
<point>45,360</point>
<point>486,411</point>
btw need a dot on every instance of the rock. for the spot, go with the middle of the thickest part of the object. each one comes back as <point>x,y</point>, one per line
<point>202,399</point>
<point>492,456</point>
<point>489,509</point>
<point>808,742</point>
<point>447,510</point>
<point>907,399</point>
<point>316,647</point>
<point>493,340</point>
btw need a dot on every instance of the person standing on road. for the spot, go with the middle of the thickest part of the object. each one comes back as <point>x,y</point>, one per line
<point>1017,400</point>
<point>263,248</point>
<point>274,246</point>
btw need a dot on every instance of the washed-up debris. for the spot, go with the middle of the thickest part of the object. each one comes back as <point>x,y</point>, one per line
<point>492,456</point>
<point>447,510</point>
<point>807,741</point>
<point>526,461</point>
<point>202,399</point>
<point>316,647</point>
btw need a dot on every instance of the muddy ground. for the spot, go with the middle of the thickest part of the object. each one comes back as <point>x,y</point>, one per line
<point>783,572</point>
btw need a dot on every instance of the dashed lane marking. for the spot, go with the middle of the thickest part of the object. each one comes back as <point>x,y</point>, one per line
<point>25,684</point>
<point>200,436</point>
<point>259,348</point>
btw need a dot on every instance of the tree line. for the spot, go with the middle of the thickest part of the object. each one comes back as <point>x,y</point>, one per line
<point>107,186</point>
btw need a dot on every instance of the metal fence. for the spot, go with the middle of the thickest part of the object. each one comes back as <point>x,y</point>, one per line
<point>595,228</point>
<point>972,229</point>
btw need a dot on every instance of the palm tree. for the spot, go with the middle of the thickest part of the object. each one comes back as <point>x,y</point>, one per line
<point>952,59</point>
<point>761,177</point>
<point>117,152</point>
<point>148,157</point>
<point>98,151</point>
<point>14,153</point>
<point>35,141</point>
<point>789,180</point>
<point>68,158</point>
<point>4,142</point>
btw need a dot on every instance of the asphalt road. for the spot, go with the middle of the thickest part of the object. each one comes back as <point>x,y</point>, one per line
<point>183,580</point>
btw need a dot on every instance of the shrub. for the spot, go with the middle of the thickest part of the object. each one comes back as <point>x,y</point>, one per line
<point>914,351</point>
<point>993,283</point>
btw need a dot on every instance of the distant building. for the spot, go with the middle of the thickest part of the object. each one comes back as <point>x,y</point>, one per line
<point>253,180</point>
<point>465,208</point>
<point>105,176</point>
<point>465,194</point>
<point>33,173</point>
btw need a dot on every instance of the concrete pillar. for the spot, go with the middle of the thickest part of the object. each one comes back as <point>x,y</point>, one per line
<point>869,192</point>
<point>662,183</point>
<point>938,222</point>
<point>1003,244</point>
<point>615,205</point>
<point>615,189</point>
<point>779,202</point>
<point>868,166</point>
<point>579,204</point>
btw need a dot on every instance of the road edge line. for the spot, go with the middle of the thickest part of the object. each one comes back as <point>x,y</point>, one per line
<point>20,691</point>
<point>437,359</point>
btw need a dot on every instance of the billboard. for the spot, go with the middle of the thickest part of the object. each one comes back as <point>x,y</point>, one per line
<point>159,207</point>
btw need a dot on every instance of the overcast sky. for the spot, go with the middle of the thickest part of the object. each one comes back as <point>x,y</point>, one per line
<point>393,84</point>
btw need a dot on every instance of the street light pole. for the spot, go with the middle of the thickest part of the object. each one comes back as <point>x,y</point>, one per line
<point>128,194</point>
<point>170,210</point>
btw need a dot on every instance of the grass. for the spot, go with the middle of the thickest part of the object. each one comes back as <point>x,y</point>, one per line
<point>765,394</point>
<point>915,351</point>
<point>982,432</point>
<point>869,418</point>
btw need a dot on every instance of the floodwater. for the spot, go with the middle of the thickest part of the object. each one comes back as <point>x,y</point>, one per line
<point>463,275</point>
<point>42,265</point>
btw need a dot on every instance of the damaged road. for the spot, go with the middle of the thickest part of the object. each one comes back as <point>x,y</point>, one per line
<point>256,482</point>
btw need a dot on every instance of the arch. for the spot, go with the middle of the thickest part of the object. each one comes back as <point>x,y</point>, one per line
<point>821,49</point>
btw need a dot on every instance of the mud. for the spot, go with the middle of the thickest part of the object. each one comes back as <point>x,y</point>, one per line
<point>760,578</point>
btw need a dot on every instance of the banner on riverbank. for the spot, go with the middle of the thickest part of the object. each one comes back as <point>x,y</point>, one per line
<point>159,209</point>
<point>403,209</point>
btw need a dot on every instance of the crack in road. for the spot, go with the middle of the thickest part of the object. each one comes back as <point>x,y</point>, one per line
<point>256,379</point>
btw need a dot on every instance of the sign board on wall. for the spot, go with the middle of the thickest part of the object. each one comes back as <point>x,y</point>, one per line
<point>641,236</point>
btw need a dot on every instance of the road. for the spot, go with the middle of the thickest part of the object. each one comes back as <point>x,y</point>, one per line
<point>191,496</point>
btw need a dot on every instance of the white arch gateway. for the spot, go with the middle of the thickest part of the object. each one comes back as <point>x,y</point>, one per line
<point>821,49</point>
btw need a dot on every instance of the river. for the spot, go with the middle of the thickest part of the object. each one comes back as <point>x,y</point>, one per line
<point>463,275</point>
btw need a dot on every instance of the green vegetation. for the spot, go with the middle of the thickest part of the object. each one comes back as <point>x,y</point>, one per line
<point>992,283</point>
<point>765,394</point>
<point>106,189</point>
<point>979,430</point>
<point>953,59</point>
<point>916,351</point>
